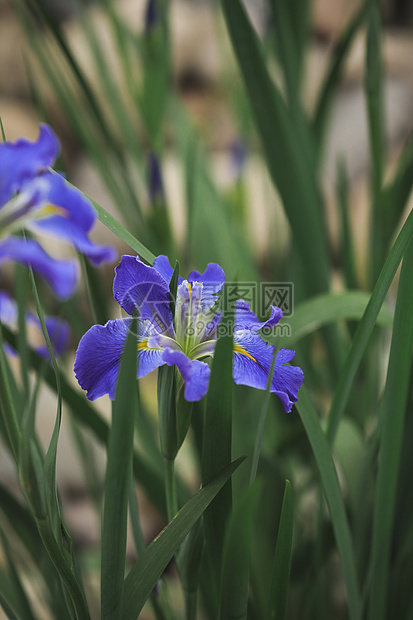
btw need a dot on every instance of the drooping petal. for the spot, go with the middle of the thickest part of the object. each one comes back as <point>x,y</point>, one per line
<point>74,219</point>
<point>22,160</point>
<point>195,373</point>
<point>212,279</point>
<point>246,319</point>
<point>287,379</point>
<point>138,286</point>
<point>61,275</point>
<point>98,358</point>
<point>252,363</point>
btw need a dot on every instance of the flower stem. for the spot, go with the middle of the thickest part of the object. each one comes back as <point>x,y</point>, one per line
<point>261,422</point>
<point>170,486</point>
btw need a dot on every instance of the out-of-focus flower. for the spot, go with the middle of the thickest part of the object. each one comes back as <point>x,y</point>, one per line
<point>183,339</point>
<point>151,16</point>
<point>58,330</point>
<point>155,184</point>
<point>35,198</point>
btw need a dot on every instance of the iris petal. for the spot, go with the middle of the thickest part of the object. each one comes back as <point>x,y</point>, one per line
<point>213,280</point>
<point>59,334</point>
<point>195,373</point>
<point>163,267</point>
<point>246,318</point>
<point>61,275</point>
<point>23,160</point>
<point>98,358</point>
<point>252,363</point>
<point>8,309</point>
<point>137,286</point>
<point>75,220</point>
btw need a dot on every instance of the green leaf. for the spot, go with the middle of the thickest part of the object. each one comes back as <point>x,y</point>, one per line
<point>325,309</point>
<point>117,483</point>
<point>333,74</point>
<point>96,294</point>
<point>261,422</point>
<point>85,414</point>
<point>155,51</point>
<point>151,564</point>
<point>346,238</point>
<point>22,602</point>
<point>236,555</point>
<point>190,557</point>
<point>374,80</point>
<point>393,411</point>
<point>331,487</point>
<point>397,192</point>
<point>9,606</point>
<point>120,231</point>
<point>288,157</point>
<point>366,325</point>
<point>216,451</point>
<point>7,408</point>
<point>277,605</point>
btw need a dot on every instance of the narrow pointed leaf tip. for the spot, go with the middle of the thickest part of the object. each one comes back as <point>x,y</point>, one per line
<point>183,339</point>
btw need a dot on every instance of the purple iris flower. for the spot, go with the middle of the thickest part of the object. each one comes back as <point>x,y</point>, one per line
<point>183,340</point>
<point>35,198</point>
<point>58,330</point>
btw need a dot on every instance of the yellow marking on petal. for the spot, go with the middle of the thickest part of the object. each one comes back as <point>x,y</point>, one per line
<point>190,288</point>
<point>239,349</point>
<point>50,209</point>
<point>143,345</point>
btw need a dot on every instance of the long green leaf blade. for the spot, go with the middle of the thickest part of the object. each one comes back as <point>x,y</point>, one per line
<point>333,75</point>
<point>277,605</point>
<point>322,310</point>
<point>236,556</point>
<point>329,480</point>
<point>216,453</point>
<point>84,413</point>
<point>366,325</point>
<point>286,156</point>
<point>150,565</point>
<point>117,483</point>
<point>392,424</point>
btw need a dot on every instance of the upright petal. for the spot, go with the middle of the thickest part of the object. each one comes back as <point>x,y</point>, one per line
<point>22,160</point>
<point>252,363</point>
<point>138,286</point>
<point>163,267</point>
<point>212,279</point>
<point>246,319</point>
<point>60,275</point>
<point>195,373</point>
<point>98,358</point>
